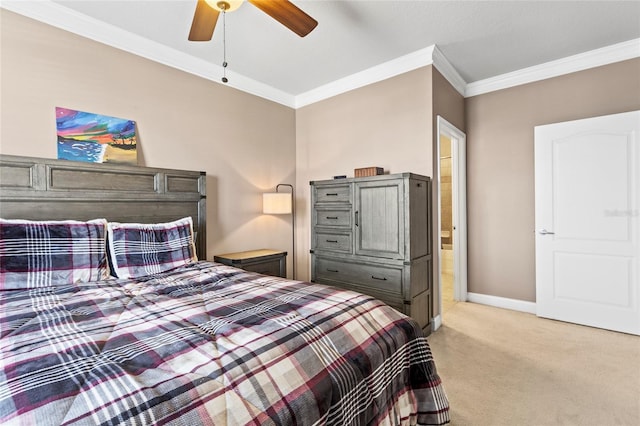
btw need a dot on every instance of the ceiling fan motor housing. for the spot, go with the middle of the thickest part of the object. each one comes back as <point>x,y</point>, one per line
<point>225,5</point>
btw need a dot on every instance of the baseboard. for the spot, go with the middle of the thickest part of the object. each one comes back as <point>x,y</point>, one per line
<point>496,302</point>
<point>437,322</point>
<point>502,302</point>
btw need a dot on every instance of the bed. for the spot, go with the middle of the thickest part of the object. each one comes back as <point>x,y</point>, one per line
<point>174,338</point>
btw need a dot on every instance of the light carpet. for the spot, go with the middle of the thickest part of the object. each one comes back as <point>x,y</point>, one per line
<point>503,367</point>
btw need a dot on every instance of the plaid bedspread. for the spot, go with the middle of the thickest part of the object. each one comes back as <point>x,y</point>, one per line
<point>210,344</point>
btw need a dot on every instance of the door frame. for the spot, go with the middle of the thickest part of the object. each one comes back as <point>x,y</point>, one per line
<point>459,201</point>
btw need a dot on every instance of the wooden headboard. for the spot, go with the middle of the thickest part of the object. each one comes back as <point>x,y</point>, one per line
<point>46,189</point>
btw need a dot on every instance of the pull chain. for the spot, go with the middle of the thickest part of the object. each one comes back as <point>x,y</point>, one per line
<point>224,46</point>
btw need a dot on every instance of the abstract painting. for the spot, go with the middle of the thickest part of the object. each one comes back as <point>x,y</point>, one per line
<point>84,136</point>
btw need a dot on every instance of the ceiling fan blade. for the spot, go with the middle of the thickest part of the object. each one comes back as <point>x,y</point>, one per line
<point>204,22</point>
<point>287,14</point>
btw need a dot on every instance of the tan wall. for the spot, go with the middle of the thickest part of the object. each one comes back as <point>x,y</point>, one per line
<point>248,145</point>
<point>450,105</point>
<point>390,124</point>
<point>245,144</point>
<point>386,124</point>
<point>500,166</point>
<point>447,102</point>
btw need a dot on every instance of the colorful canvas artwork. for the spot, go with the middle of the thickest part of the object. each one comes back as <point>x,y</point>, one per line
<point>84,136</point>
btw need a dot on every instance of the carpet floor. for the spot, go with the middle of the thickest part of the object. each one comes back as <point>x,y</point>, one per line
<point>503,367</point>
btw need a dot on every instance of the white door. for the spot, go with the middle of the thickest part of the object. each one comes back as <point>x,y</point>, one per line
<point>587,191</point>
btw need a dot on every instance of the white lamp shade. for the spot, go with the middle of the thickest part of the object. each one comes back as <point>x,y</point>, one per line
<point>276,203</point>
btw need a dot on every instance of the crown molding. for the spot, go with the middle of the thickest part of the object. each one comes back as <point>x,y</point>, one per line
<point>448,71</point>
<point>582,61</point>
<point>401,65</point>
<point>428,56</point>
<point>66,19</point>
<point>61,17</point>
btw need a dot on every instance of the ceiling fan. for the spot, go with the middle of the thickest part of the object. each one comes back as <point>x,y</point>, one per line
<point>283,11</point>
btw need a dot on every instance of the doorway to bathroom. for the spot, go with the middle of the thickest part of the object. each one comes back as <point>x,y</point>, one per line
<point>452,215</point>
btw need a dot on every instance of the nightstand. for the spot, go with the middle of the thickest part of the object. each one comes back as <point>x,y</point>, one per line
<point>264,261</point>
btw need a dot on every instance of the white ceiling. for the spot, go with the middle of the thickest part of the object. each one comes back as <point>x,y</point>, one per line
<point>480,39</point>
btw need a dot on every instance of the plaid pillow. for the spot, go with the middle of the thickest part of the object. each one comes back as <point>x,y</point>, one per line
<point>49,253</point>
<point>138,249</point>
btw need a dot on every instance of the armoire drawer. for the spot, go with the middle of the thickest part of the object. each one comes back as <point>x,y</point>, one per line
<point>333,217</point>
<point>374,277</point>
<point>373,235</point>
<point>333,194</point>
<point>324,240</point>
